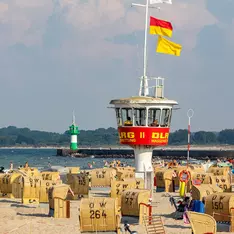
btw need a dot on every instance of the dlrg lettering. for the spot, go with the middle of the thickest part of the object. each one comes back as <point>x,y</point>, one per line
<point>126,135</point>
<point>157,135</point>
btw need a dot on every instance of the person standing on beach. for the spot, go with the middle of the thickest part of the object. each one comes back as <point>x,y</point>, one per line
<point>26,165</point>
<point>11,166</point>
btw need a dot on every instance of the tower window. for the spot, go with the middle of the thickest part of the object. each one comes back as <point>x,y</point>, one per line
<point>154,117</point>
<point>118,116</point>
<point>127,116</point>
<point>139,117</point>
<point>166,118</point>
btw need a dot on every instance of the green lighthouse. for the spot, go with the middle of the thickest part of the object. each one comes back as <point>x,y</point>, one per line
<point>74,131</point>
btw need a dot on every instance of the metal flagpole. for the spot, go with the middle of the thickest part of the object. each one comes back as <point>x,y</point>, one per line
<point>144,82</point>
<point>190,115</point>
<point>145,46</point>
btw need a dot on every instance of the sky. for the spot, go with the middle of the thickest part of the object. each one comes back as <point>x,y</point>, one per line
<point>60,55</point>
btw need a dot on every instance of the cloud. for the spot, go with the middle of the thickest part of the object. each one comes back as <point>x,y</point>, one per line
<point>3,9</point>
<point>110,18</point>
<point>223,10</point>
<point>24,21</point>
<point>92,14</point>
<point>188,18</point>
<point>60,55</point>
<point>97,17</point>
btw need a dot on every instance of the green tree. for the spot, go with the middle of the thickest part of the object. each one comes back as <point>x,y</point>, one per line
<point>203,137</point>
<point>178,137</point>
<point>226,136</point>
<point>24,140</point>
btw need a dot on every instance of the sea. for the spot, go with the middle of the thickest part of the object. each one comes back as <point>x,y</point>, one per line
<point>44,158</point>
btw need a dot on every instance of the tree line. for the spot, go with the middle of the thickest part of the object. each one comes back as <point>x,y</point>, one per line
<point>13,136</point>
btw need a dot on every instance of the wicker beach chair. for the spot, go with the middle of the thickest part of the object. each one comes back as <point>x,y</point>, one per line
<point>201,223</point>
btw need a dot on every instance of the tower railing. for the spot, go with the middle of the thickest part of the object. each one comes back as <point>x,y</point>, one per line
<point>156,90</point>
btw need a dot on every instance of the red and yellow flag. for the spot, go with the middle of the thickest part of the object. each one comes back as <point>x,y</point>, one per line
<point>160,27</point>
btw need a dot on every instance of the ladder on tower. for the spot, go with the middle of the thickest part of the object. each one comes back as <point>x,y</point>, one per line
<point>154,224</point>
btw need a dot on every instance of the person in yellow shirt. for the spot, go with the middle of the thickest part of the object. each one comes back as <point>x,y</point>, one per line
<point>128,122</point>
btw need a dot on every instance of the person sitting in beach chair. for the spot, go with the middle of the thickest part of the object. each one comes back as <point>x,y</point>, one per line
<point>181,205</point>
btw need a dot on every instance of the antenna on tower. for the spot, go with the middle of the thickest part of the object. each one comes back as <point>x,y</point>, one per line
<point>73,118</point>
<point>144,89</point>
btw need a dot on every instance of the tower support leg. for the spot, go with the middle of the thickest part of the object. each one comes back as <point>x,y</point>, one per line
<point>143,164</point>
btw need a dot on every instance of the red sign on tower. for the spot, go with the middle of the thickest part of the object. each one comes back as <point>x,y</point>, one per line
<point>143,135</point>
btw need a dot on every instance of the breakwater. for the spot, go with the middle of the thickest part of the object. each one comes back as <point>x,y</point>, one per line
<point>177,153</point>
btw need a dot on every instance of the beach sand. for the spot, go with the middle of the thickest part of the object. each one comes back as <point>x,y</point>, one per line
<point>16,218</point>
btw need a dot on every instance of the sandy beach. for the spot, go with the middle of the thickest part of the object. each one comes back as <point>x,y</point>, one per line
<point>16,218</point>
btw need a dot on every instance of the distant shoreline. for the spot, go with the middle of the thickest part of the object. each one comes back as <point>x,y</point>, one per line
<point>30,147</point>
<point>180,147</point>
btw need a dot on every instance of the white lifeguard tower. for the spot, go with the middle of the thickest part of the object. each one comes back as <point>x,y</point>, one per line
<point>144,120</point>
